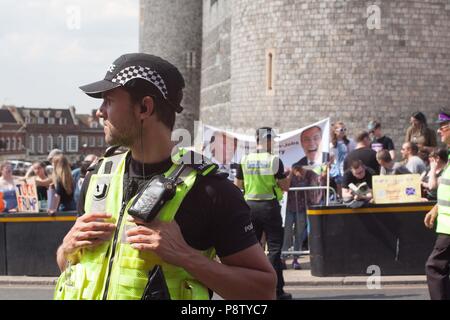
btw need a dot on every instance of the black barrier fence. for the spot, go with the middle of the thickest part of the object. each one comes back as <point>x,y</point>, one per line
<point>342,241</point>
<point>393,238</point>
<point>28,242</point>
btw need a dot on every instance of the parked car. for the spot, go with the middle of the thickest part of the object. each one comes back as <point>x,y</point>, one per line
<point>19,167</point>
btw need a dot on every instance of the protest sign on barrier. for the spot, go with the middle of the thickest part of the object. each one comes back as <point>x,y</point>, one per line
<point>26,194</point>
<point>396,188</point>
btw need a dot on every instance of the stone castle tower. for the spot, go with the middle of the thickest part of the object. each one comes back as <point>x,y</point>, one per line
<point>288,63</point>
<point>172,29</point>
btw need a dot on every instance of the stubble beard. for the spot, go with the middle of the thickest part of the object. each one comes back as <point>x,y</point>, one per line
<point>115,138</point>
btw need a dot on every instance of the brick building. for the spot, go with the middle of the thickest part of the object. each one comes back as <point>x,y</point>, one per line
<point>12,137</point>
<point>290,63</point>
<point>38,131</point>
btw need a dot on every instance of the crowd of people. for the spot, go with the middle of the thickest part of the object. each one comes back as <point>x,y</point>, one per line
<point>56,178</point>
<point>353,162</point>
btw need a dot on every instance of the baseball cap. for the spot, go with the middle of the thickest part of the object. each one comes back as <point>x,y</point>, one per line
<point>372,125</point>
<point>443,117</point>
<point>161,74</point>
<point>54,153</point>
<point>265,133</point>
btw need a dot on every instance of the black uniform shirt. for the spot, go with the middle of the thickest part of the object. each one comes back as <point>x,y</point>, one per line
<point>213,213</point>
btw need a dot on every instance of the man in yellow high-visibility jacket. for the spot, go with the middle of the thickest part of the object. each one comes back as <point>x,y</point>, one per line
<point>438,264</point>
<point>108,254</point>
<point>261,176</point>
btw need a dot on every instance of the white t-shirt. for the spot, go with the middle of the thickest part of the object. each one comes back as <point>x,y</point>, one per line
<point>415,165</point>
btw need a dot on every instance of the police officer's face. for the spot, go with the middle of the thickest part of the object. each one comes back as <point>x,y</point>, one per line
<point>121,125</point>
<point>444,131</point>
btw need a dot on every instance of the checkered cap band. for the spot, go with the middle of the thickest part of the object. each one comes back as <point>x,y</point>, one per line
<point>145,73</point>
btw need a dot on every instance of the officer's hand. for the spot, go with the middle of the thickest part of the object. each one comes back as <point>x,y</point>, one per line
<point>89,230</point>
<point>429,219</point>
<point>162,238</point>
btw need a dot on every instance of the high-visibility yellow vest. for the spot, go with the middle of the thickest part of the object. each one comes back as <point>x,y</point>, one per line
<point>114,270</point>
<point>259,171</point>
<point>443,199</point>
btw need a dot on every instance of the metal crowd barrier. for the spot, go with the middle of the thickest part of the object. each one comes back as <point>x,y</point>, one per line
<point>327,202</point>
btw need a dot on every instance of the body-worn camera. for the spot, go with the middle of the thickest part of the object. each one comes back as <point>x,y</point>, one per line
<point>154,195</point>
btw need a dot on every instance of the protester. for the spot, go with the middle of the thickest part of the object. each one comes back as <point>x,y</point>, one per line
<point>340,147</point>
<point>8,188</point>
<point>37,170</point>
<point>63,184</point>
<point>419,133</point>
<point>364,153</point>
<point>424,155</point>
<point>297,202</point>
<point>49,165</point>
<point>379,140</point>
<point>356,175</point>
<point>79,174</point>
<point>115,251</point>
<point>261,176</point>
<point>388,166</point>
<point>430,180</point>
<point>437,266</point>
<point>412,162</point>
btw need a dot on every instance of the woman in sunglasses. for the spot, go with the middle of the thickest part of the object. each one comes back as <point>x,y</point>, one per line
<point>340,147</point>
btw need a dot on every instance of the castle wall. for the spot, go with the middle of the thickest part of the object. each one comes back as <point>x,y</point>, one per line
<point>328,60</point>
<point>172,29</point>
<point>216,63</point>
<point>328,63</point>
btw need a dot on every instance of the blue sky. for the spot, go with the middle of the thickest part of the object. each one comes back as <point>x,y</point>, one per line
<point>50,47</point>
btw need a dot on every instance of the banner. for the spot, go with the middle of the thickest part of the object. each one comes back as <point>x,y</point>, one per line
<point>308,146</point>
<point>27,198</point>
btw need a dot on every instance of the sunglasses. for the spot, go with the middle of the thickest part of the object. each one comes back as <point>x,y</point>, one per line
<point>341,130</point>
<point>444,127</point>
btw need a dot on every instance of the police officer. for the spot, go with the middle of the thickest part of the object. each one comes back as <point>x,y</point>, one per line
<point>437,266</point>
<point>108,254</point>
<point>261,176</point>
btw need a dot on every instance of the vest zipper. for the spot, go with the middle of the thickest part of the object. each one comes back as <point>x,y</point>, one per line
<point>113,252</point>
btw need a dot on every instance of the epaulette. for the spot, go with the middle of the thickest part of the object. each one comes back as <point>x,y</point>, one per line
<point>110,151</point>
<point>114,150</point>
<point>221,175</point>
<point>94,165</point>
<point>197,161</point>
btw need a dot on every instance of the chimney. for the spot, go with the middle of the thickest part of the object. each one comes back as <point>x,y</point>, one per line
<point>73,115</point>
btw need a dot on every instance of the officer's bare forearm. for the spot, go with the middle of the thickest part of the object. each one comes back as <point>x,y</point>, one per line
<point>231,281</point>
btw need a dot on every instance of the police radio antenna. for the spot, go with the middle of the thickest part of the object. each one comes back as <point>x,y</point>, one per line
<point>142,149</point>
